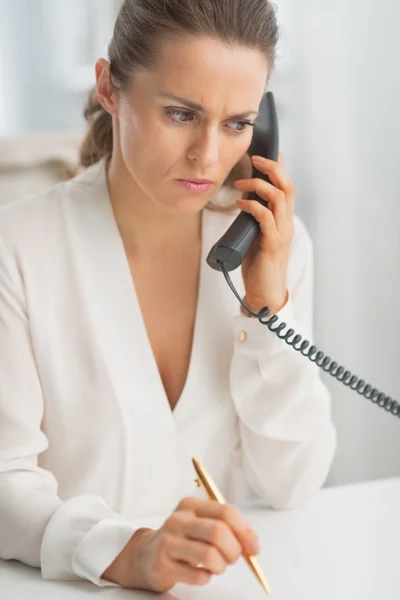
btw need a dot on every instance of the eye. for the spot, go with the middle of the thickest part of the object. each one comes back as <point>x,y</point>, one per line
<point>242,126</point>
<point>178,116</point>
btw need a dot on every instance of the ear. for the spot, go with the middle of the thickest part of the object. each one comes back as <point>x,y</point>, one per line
<point>105,92</point>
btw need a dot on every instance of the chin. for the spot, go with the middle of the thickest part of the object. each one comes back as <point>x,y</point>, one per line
<point>189,206</point>
<point>182,204</point>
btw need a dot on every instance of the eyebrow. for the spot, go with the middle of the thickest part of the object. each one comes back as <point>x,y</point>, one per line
<point>201,108</point>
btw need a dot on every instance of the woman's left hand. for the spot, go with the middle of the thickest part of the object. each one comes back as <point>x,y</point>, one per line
<point>265,267</point>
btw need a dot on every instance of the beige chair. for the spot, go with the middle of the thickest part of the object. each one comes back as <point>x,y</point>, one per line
<point>33,162</point>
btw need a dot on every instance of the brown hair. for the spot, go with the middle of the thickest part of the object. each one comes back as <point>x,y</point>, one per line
<point>141,26</point>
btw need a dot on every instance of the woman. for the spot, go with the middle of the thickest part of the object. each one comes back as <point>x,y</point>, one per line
<point>122,353</point>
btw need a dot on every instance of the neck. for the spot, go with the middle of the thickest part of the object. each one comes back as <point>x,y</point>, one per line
<point>145,227</point>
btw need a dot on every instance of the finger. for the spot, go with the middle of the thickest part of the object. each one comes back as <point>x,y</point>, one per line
<point>277,176</point>
<point>184,573</point>
<point>199,553</point>
<point>274,196</point>
<point>275,172</point>
<point>216,533</point>
<point>262,214</point>
<point>225,512</point>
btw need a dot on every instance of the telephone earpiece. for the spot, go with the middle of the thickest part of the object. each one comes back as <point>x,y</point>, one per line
<point>241,235</point>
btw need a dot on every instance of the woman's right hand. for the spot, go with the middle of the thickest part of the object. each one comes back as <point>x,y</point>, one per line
<point>200,539</point>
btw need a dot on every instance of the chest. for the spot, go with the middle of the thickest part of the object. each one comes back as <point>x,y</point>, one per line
<point>167,292</point>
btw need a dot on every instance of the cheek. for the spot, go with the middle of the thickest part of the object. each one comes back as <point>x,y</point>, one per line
<point>150,147</point>
<point>235,149</point>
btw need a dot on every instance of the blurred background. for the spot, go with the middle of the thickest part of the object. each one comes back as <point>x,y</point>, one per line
<point>337,86</point>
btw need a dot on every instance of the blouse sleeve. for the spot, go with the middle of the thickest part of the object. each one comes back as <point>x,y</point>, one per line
<point>287,436</point>
<point>72,539</point>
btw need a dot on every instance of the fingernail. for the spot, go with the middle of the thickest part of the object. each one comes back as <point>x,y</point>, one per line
<point>258,158</point>
<point>239,181</point>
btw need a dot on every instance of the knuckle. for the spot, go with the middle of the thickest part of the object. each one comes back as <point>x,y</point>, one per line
<point>218,530</point>
<point>233,552</point>
<point>228,513</point>
<point>281,196</point>
<point>159,564</point>
<point>258,188</point>
<point>164,544</point>
<point>277,196</point>
<point>183,517</point>
<point>268,217</point>
<point>178,520</point>
<point>257,208</point>
<point>207,556</point>
<point>235,555</point>
<point>187,503</point>
<point>213,561</point>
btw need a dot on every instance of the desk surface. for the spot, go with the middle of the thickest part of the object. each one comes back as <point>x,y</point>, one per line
<point>345,545</point>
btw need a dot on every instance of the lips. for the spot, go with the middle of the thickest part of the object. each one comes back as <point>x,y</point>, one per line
<point>196,186</point>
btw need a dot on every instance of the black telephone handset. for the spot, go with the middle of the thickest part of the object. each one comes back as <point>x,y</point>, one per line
<point>229,252</point>
<point>241,235</point>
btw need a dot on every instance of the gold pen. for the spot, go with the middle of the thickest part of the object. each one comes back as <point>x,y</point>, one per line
<point>205,481</point>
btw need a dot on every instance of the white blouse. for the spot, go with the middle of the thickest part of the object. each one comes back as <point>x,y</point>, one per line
<point>89,447</point>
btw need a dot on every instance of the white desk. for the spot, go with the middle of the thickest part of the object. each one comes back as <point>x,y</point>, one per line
<point>345,546</point>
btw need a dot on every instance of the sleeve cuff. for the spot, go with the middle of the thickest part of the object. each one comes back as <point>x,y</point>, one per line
<point>84,536</point>
<point>102,544</point>
<point>99,548</point>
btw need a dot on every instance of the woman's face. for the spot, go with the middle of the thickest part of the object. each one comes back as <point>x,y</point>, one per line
<point>189,119</point>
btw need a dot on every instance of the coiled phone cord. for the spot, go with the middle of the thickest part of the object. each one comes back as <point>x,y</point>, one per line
<point>317,356</point>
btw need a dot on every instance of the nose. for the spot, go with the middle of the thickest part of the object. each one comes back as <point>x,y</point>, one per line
<point>205,149</point>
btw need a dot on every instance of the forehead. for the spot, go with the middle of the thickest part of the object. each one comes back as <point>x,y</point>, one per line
<point>211,72</point>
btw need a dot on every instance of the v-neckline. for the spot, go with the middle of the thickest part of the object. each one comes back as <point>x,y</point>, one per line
<point>147,348</point>
<point>114,312</point>
<point>193,349</point>
<point>198,311</point>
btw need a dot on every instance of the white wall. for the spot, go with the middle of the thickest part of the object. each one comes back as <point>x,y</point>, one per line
<point>47,53</point>
<point>338,81</point>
